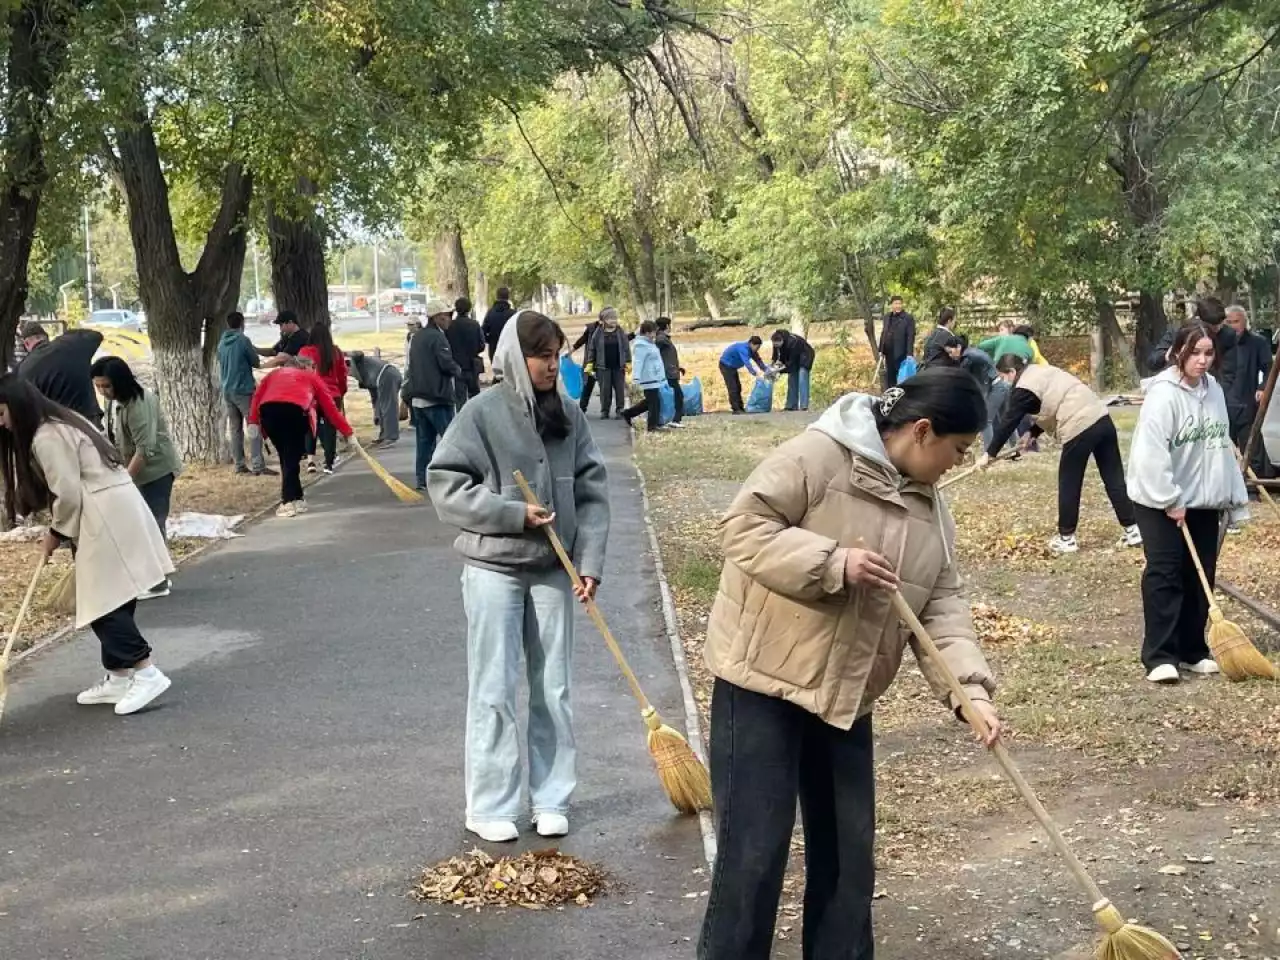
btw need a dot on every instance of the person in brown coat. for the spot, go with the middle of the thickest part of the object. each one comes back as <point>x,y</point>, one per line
<point>802,640</point>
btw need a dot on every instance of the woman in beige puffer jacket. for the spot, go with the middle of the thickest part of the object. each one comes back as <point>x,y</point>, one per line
<point>802,639</point>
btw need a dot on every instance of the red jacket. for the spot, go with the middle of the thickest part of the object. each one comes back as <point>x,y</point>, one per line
<point>302,388</point>
<point>336,378</point>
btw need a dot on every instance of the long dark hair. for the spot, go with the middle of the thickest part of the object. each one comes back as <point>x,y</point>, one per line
<point>540,335</point>
<point>26,489</point>
<point>947,397</point>
<point>322,340</point>
<point>1185,340</point>
<point>124,384</point>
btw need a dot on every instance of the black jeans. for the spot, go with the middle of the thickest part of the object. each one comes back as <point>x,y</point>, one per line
<point>765,751</point>
<point>123,646</point>
<point>465,386</point>
<point>286,426</point>
<point>1241,427</point>
<point>674,384</point>
<point>1100,442</point>
<point>1174,607</point>
<point>733,384</point>
<point>889,375</point>
<point>651,405</point>
<point>158,494</point>
<point>613,389</point>
<point>588,387</point>
<point>328,435</point>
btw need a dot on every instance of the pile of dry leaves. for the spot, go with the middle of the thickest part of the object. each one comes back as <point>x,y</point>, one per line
<point>997,628</point>
<point>534,880</point>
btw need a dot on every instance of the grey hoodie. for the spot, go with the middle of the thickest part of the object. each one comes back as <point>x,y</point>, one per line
<point>1182,454</point>
<point>471,478</point>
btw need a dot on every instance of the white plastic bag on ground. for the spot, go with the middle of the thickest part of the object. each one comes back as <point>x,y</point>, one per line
<point>203,526</point>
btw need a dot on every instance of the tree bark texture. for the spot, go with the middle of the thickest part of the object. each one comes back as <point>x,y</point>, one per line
<point>1117,345</point>
<point>1152,323</point>
<point>451,264</point>
<point>648,275</point>
<point>185,311</point>
<point>39,33</point>
<point>627,262</point>
<point>296,237</point>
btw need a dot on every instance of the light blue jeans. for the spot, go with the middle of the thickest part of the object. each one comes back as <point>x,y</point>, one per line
<point>506,614</point>
<point>798,390</point>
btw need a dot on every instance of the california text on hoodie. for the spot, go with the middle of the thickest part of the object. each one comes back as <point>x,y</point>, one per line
<point>472,476</point>
<point>1182,455</point>
<point>784,623</point>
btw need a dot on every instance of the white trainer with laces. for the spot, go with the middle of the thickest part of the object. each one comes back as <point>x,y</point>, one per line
<point>1165,673</point>
<point>1132,537</point>
<point>110,689</point>
<point>300,507</point>
<point>144,686</point>
<point>494,831</point>
<point>1060,544</point>
<point>551,824</point>
<point>286,510</point>
<point>1204,667</point>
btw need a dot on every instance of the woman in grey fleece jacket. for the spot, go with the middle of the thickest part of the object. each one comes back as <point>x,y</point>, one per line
<point>516,595</point>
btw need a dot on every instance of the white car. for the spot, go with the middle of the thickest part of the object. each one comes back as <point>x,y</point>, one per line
<point>115,320</point>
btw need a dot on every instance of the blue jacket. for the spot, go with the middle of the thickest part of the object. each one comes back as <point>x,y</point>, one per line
<point>237,359</point>
<point>739,355</point>
<point>649,372</point>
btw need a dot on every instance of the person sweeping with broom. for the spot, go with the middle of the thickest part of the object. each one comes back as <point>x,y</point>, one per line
<point>518,598</point>
<point>803,639</point>
<point>53,459</point>
<point>1182,473</point>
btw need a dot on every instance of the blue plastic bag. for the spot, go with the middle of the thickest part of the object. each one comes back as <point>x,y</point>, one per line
<point>666,404</point>
<point>907,369</point>
<point>693,398</point>
<point>761,399</point>
<point>571,376</point>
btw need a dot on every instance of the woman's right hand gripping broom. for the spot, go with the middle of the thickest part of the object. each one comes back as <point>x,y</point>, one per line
<point>537,516</point>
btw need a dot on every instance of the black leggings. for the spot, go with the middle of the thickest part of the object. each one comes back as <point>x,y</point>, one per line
<point>328,435</point>
<point>286,426</point>
<point>123,646</point>
<point>1174,607</point>
<point>1100,442</point>
<point>652,405</point>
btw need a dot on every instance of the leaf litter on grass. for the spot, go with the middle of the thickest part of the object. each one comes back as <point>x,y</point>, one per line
<point>534,880</point>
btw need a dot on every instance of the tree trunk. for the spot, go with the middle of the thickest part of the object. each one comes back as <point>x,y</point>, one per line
<point>296,235</point>
<point>628,264</point>
<point>713,305</point>
<point>799,323</point>
<point>648,275</point>
<point>1110,327</point>
<point>39,31</point>
<point>482,293</point>
<point>451,265</point>
<point>185,311</point>
<point>1152,323</point>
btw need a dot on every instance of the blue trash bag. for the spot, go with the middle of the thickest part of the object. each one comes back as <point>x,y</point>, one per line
<point>761,399</point>
<point>666,404</point>
<point>571,376</point>
<point>693,398</point>
<point>907,369</point>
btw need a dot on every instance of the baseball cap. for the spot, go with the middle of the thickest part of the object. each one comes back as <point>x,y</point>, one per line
<point>436,306</point>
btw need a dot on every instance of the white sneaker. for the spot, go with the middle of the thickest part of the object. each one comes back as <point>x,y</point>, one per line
<point>328,471</point>
<point>1061,544</point>
<point>110,689</point>
<point>300,507</point>
<point>155,593</point>
<point>286,510</point>
<point>142,690</point>
<point>1234,529</point>
<point>1205,667</point>
<point>494,831</point>
<point>676,425</point>
<point>1132,537</point>
<point>551,824</point>
<point>1165,673</point>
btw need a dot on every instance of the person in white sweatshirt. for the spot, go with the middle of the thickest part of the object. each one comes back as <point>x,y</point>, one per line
<point>1182,471</point>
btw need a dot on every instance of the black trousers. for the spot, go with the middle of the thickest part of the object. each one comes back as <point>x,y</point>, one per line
<point>674,384</point>
<point>465,387</point>
<point>650,405</point>
<point>733,384</point>
<point>123,646</point>
<point>588,387</point>
<point>613,389</point>
<point>889,375</point>
<point>1174,607</point>
<point>765,751</point>
<point>1100,442</point>
<point>1241,427</point>
<point>286,426</point>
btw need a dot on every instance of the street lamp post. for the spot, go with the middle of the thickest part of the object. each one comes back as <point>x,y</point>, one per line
<point>115,296</point>
<point>66,303</point>
<point>88,261</point>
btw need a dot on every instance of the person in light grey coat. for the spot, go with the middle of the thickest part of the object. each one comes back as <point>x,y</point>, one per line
<point>608,358</point>
<point>383,381</point>
<point>516,595</point>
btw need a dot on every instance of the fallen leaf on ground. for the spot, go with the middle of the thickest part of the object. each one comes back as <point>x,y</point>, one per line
<point>533,880</point>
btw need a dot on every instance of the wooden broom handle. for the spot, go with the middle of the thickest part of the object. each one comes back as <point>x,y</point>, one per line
<point>22,612</point>
<point>1195,556</point>
<point>596,616</point>
<point>979,724</point>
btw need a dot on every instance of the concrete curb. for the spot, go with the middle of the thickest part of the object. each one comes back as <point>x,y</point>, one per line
<point>693,725</point>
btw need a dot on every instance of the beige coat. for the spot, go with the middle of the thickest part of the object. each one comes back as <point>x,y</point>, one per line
<point>785,624</point>
<point>1068,407</point>
<point>119,551</point>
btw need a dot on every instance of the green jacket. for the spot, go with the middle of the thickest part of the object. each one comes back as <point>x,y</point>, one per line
<point>140,427</point>
<point>997,347</point>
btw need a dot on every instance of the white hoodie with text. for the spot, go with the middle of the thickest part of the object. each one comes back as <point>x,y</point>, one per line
<point>1182,454</point>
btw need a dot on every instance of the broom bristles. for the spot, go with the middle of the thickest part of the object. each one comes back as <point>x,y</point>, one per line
<point>1128,941</point>
<point>681,773</point>
<point>1237,657</point>
<point>404,492</point>
<point>62,598</point>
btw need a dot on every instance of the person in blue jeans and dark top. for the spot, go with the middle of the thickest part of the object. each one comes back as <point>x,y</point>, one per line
<point>735,357</point>
<point>517,598</point>
<point>429,385</point>
<point>794,356</point>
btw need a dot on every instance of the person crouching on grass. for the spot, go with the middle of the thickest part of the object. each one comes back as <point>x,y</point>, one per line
<point>285,407</point>
<point>53,459</point>
<point>1182,472</point>
<point>803,639</point>
<point>517,597</point>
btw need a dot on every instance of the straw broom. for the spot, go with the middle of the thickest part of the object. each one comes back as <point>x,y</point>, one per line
<point>684,778</point>
<point>62,598</point>
<point>13,632</point>
<point>1262,491</point>
<point>1237,657</point>
<point>1121,940</point>
<point>401,490</point>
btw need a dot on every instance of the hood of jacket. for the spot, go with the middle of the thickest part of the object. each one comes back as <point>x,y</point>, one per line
<point>508,363</point>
